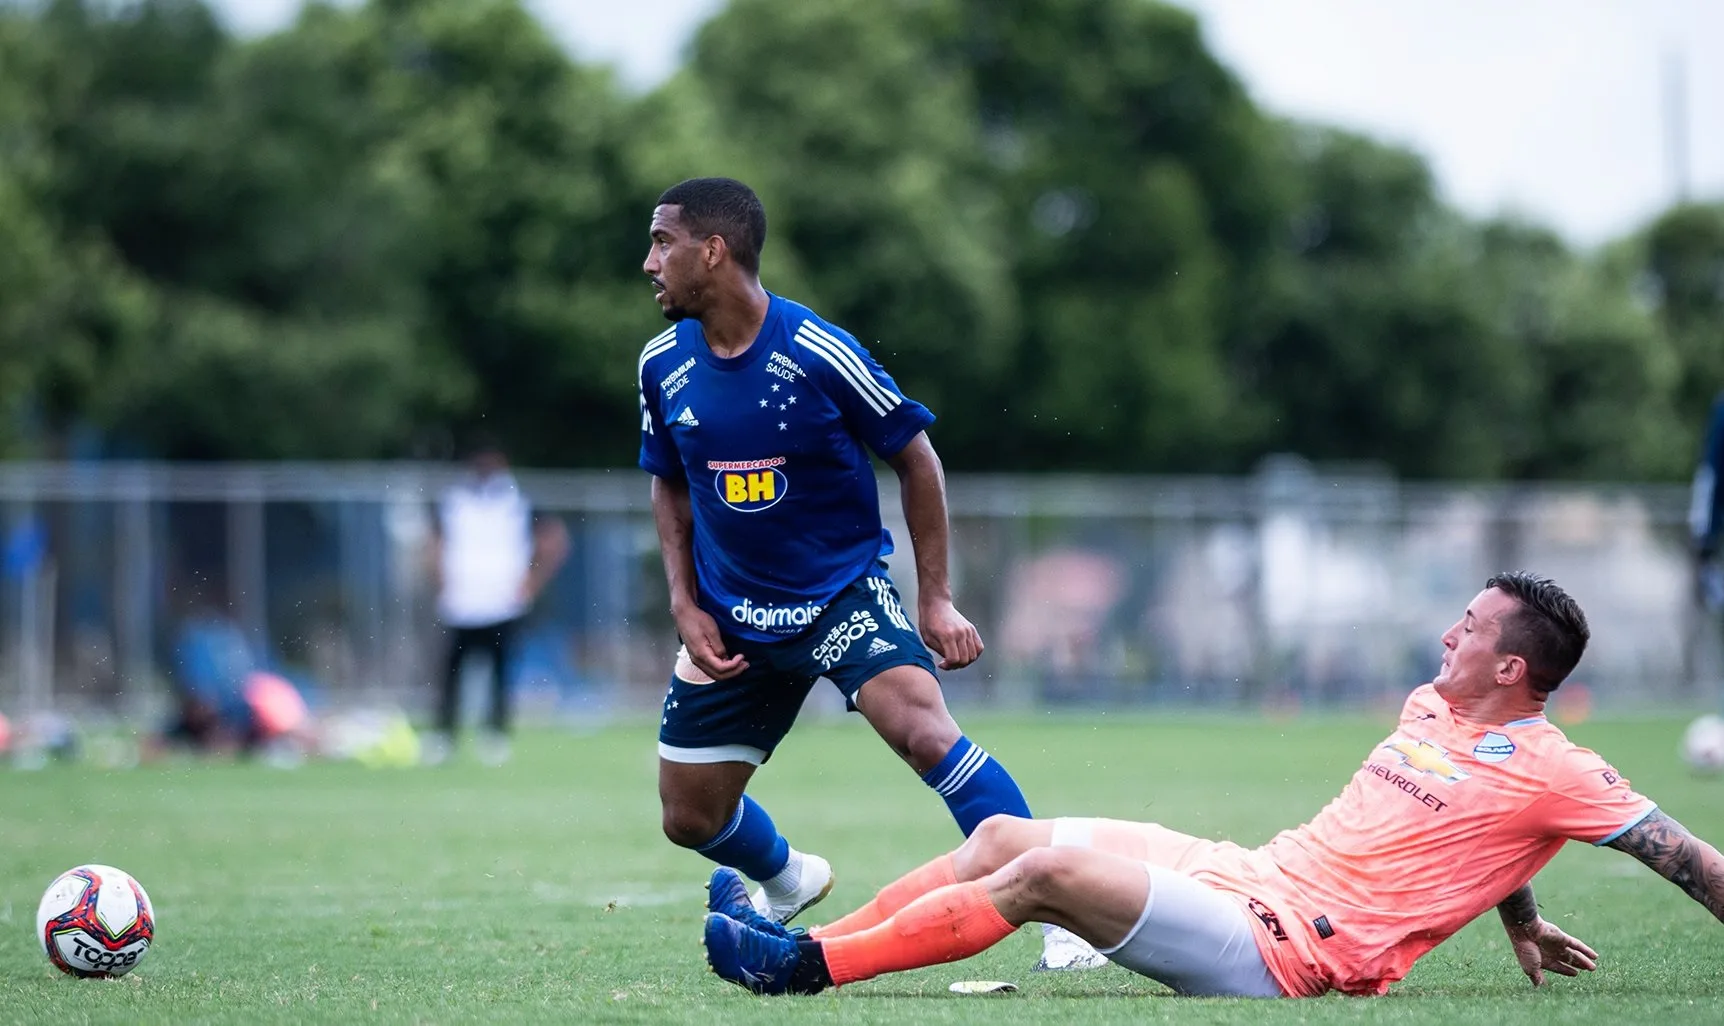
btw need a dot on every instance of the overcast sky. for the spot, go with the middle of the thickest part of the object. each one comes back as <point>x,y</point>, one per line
<point>1553,109</point>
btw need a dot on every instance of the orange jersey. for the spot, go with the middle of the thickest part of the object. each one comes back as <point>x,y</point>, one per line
<point>1446,818</point>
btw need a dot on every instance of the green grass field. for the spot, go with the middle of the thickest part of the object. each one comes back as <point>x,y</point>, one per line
<point>543,891</point>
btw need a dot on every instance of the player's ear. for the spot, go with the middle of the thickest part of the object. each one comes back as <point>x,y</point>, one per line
<point>1511,669</point>
<point>715,251</point>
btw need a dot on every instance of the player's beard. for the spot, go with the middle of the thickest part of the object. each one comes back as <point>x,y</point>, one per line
<point>682,311</point>
<point>674,311</point>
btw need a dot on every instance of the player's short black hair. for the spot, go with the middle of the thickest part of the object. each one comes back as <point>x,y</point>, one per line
<point>723,207</point>
<point>481,442</point>
<point>1548,629</point>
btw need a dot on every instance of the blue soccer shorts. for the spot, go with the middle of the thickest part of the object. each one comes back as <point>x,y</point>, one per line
<point>862,633</point>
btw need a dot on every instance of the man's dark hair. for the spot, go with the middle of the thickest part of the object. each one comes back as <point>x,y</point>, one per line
<point>1548,629</point>
<point>481,442</point>
<point>723,207</point>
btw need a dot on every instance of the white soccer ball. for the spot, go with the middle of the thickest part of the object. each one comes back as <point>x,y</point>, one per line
<point>1703,744</point>
<point>95,921</point>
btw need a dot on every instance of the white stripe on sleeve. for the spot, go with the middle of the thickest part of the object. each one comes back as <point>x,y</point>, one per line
<point>817,348</point>
<point>849,357</point>
<point>664,342</point>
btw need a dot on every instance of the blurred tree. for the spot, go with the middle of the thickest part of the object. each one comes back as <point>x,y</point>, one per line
<point>1378,343</point>
<point>1602,371</point>
<point>865,150</point>
<point>125,99</point>
<point>235,246</point>
<point>1043,213</point>
<point>65,299</point>
<point>30,253</point>
<point>1062,223</point>
<point>531,253</point>
<point>1684,261</point>
<point>1144,201</point>
<point>416,197</point>
<point>30,270</point>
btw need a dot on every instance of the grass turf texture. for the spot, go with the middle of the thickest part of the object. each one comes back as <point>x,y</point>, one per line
<point>543,891</point>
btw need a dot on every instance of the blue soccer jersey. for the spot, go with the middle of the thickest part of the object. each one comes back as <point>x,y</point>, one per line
<point>1706,515</point>
<point>774,446</point>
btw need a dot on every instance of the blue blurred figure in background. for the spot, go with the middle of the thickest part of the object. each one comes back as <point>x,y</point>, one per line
<point>1706,514</point>
<point>225,698</point>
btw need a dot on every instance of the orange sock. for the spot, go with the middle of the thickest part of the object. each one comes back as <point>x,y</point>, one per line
<point>930,876</point>
<point>941,926</point>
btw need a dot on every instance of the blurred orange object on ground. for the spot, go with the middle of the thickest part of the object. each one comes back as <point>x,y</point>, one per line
<point>275,703</point>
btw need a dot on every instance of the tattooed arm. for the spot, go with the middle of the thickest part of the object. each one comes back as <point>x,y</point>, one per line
<point>1519,909</point>
<point>1540,945</point>
<point>1677,855</point>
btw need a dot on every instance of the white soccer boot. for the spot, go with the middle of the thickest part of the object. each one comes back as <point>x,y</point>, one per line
<point>1063,951</point>
<point>802,883</point>
<point>493,748</point>
<point>435,748</point>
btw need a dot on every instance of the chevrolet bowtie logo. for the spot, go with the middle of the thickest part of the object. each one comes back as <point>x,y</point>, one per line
<point>1428,758</point>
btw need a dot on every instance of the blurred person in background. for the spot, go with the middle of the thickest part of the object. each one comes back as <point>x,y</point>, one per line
<point>490,557</point>
<point>1706,514</point>
<point>225,701</point>
<point>757,420</point>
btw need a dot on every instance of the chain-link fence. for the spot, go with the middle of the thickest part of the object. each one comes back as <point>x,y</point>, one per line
<point>1297,586</point>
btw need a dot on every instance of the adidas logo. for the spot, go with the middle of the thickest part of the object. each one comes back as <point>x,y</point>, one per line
<point>880,646</point>
<point>687,417</point>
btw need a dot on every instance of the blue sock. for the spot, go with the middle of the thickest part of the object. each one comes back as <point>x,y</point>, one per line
<point>975,786</point>
<point>749,843</point>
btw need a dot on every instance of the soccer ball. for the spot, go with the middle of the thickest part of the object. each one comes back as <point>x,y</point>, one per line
<point>95,921</point>
<point>1703,744</point>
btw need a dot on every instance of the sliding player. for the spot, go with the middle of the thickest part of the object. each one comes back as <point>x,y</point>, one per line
<point>1450,815</point>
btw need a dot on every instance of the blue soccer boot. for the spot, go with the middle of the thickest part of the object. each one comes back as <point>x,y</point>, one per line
<point>752,959</point>
<point>727,894</point>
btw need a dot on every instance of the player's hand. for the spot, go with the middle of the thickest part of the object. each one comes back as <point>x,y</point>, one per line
<point>1543,946</point>
<point>1708,582</point>
<point>955,640</point>
<point>706,646</point>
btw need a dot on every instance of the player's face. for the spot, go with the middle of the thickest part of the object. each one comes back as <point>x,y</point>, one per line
<point>1471,663</point>
<point>676,263</point>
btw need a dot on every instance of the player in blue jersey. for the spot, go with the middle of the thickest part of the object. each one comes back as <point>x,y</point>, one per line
<point>1706,515</point>
<point>757,420</point>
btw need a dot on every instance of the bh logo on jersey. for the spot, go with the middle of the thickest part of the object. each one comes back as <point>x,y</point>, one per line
<point>750,486</point>
<point>839,639</point>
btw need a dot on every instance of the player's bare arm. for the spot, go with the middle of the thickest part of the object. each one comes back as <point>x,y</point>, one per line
<point>1677,855</point>
<point>922,483</point>
<point>550,549</point>
<point>1540,945</point>
<point>674,517</point>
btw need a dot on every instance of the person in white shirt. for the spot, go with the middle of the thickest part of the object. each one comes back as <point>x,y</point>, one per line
<point>490,558</point>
